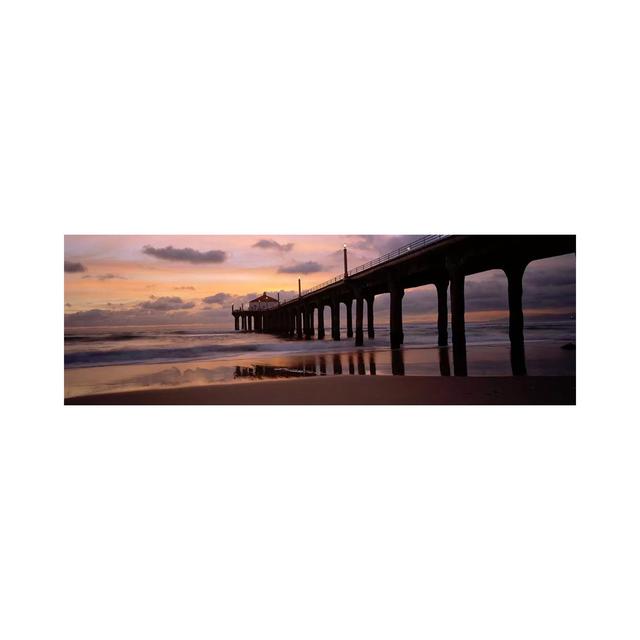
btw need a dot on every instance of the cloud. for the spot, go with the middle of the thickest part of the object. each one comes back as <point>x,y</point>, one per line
<point>74,267</point>
<point>90,317</point>
<point>380,244</point>
<point>302,267</point>
<point>547,285</point>
<point>550,282</point>
<point>218,298</point>
<point>104,276</point>
<point>364,243</point>
<point>156,312</point>
<point>336,259</point>
<point>185,255</point>
<point>272,244</point>
<point>166,303</point>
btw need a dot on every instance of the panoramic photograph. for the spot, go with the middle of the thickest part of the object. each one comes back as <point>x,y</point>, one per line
<point>320,319</point>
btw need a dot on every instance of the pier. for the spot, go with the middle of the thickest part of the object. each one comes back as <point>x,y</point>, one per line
<point>439,260</point>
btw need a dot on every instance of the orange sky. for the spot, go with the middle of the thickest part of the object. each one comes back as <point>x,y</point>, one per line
<point>169,278</point>
<point>246,268</point>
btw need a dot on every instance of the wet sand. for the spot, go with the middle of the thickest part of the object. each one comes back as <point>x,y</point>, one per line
<point>543,359</point>
<point>358,390</point>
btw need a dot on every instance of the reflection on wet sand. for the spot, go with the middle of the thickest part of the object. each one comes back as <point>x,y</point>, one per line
<point>318,366</point>
<point>394,362</point>
<point>172,376</point>
<point>268,371</point>
<point>542,359</point>
<point>518,361</point>
<point>445,366</point>
<point>361,369</point>
<point>397,362</point>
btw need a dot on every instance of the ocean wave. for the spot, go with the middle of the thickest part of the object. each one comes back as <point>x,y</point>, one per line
<point>116,337</point>
<point>119,337</point>
<point>90,349</point>
<point>169,354</point>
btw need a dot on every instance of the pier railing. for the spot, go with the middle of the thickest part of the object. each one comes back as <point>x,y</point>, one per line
<point>425,241</point>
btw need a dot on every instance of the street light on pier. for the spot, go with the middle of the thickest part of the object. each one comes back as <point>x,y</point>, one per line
<point>345,259</point>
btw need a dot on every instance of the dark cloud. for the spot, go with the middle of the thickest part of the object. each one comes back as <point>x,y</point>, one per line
<point>547,285</point>
<point>185,255</point>
<point>302,267</point>
<point>365,243</point>
<point>272,244</point>
<point>104,276</point>
<point>74,267</point>
<point>550,283</point>
<point>166,303</point>
<point>486,292</point>
<point>218,298</point>
<point>92,316</point>
<point>336,258</point>
<point>153,312</point>
<point>380,244</point>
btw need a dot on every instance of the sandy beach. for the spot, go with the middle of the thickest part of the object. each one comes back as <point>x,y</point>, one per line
<point>360,390</point>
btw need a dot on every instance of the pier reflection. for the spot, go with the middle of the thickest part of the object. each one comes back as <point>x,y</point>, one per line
<point>445,365</point>
<point>361,369</point>
<point>518,362</point>
<point>487,360</point>
<point>397,362</point>
<point>259,371</point>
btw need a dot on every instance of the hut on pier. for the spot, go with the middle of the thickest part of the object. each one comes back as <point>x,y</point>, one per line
<point>263,303</point>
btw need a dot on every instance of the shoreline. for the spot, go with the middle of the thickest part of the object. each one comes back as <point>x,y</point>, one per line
<point>356,390</point>
<point>543,359</point>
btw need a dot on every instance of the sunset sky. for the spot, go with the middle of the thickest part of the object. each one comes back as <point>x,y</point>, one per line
<point>127,280</point>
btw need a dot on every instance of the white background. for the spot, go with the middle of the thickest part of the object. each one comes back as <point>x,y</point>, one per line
<point>335,117</point>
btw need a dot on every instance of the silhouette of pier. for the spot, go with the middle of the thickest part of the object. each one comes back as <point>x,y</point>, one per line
<point>443,261</point>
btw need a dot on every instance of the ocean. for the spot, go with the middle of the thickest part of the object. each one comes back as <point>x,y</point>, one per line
<point>104,359</point>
